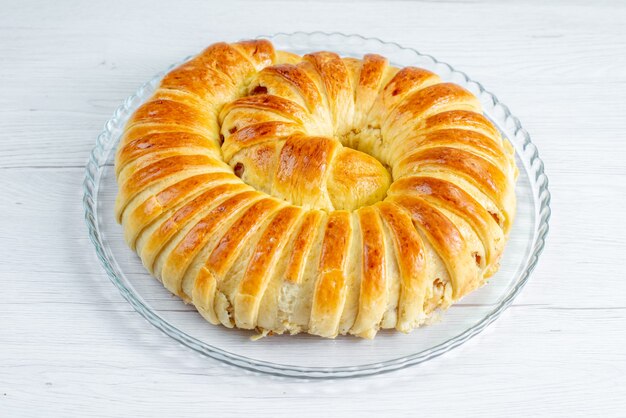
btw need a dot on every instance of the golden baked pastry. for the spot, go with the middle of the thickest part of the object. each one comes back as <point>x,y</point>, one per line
<point>313,194</point>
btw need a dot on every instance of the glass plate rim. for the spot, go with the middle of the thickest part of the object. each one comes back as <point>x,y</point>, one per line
<point>542,204</point>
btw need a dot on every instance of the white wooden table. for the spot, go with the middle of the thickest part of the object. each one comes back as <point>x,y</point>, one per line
<point>71,346</point>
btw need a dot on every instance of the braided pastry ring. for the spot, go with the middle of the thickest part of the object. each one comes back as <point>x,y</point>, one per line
<point>313,194</point>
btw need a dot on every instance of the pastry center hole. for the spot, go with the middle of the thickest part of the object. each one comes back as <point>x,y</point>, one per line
<point>315,172</point>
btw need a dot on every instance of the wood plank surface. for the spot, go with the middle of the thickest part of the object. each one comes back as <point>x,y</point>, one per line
<point>70,345</point>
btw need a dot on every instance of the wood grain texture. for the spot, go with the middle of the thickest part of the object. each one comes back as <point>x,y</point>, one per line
<point>71,346</point>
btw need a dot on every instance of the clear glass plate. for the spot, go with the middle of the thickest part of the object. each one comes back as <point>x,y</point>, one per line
<point>304,355</point>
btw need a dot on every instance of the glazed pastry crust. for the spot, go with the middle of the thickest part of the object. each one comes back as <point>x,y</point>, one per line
<point>314,193</point>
